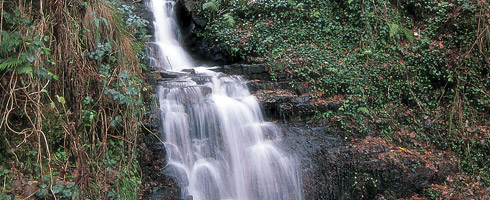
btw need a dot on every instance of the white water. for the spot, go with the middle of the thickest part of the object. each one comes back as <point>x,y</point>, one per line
<point>218,144</point>
<point>171,55</point>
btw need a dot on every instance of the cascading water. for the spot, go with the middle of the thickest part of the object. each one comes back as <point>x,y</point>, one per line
<point>171,55</point>
<point>218,144</point>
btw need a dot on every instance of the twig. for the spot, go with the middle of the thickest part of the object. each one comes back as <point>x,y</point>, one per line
<point>419,103</point>
<point>477,37</point>
<point>169,63</point>
<point>123,139</point>
<point>1,20</point>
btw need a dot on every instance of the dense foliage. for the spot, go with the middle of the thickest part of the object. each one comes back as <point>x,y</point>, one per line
<point>72,99</point>
<point>415,70</point>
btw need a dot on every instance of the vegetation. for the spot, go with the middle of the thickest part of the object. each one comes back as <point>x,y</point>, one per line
<point>415,72</point>
<point>72,99</point>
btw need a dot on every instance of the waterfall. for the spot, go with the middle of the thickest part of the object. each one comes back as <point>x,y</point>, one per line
<point>218,144</point>
<point>170,54</point>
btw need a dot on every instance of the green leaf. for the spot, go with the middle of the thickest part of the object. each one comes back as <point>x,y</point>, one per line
<point>4,196</point>
<point>363,110</point>
<point>350,1</point>
<point>96,22</point>
<point>29,57</point>
<point>61,100</point>
<point>393,29</point>
<point>69,186</point>
<point>57,189</point>
<point>299,5</point>
<point>229,18</point>
<point>105,22</point>
<point>67,193</point>
<point>41,193</point>
<point>334,70</point>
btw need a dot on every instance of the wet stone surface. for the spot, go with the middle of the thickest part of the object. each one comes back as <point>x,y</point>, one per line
<point>360,169</point>
<point>156,184</point>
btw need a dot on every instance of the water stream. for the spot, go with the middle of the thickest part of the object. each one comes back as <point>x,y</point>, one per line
<point>218,144</point>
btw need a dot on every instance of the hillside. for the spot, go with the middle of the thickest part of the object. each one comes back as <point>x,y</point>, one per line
<point>412,73</point>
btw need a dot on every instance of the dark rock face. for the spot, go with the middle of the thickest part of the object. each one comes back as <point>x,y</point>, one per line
<point>337,169</point>
<point>249,71</point>
<point>202,49</point>
<point>156,183</point>
<point>289,107</point>
<point>208,51</point>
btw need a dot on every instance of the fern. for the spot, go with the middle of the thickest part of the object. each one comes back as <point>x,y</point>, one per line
<point>408,34</point>
<point>213,5</point>
<point>19,66</point>
<point>25,68</point>
<point>229,18</point>
<point>10,63</point>
<point>393,29</point>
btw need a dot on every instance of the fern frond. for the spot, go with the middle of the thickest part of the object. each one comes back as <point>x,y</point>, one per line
<point>25,68</point>
<point>213,5</point>
<point>408,34</point>
<point>229,18</point>
<point>10,63</point>
<point>393,29</point>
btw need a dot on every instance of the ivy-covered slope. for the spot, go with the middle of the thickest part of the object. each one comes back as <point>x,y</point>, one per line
<point>72,99</point>
<point>415,72</point>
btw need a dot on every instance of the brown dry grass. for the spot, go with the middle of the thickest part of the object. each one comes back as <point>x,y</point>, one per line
<point>26,103</point>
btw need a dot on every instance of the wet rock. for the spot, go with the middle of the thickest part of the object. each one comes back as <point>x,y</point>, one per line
<point>250,71</point>
<point>156,184</point>
<point>290,106</point>
<point>172,74</point>
<point>254,69</point>
<point>199,21</point>
<point>191,71</point>
<point>337,169</point>
<point>209,50</point>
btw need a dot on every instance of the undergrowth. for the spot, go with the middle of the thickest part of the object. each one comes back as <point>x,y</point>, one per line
<point>410,71</point>
<point>72,99</point>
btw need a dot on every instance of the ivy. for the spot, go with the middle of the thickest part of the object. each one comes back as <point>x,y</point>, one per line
<point>430,56</point>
